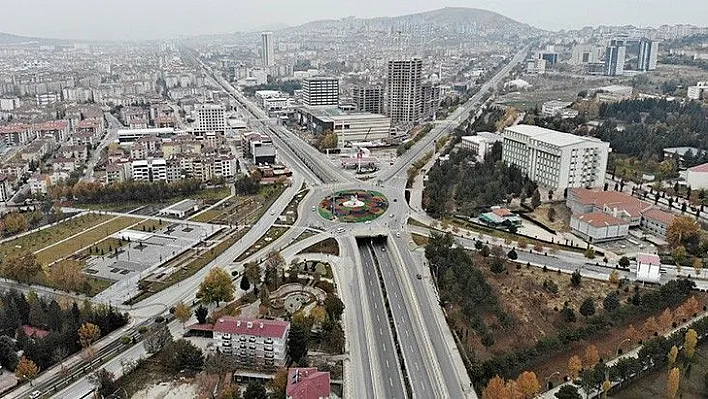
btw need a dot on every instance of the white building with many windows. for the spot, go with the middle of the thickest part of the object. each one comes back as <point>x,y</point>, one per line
<point>253,342</point>
<point>481,144</point>
<point>553,159</point>
<point>210,118</point>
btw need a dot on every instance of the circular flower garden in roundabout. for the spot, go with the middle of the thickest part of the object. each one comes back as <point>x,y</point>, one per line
<point>352,206</point>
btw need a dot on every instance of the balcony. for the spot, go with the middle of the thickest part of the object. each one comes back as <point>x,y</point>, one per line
<point>226,336</point>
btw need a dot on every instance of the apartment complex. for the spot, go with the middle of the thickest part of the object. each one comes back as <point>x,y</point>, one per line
<point>320,91</point>
<point>481,144</point>
<point>369,99</point>
<point>253,343</point>
<point>403,90</point>
<point>553,159</point>
<point>210,118</point>
<point>648,52</point>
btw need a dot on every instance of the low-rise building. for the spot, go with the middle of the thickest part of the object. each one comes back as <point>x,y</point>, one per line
<point>258,148</point>
<point>599,226</point>
<point>5,188</point>
<point>307,383</point>
<point>657,222</point>
<point>181,209</point>
<point>698,91</point>
<point>500,217</point>
<point>481,144</point>
<point>349,126</point>
<point>253,342</point>
<point>697,176</point>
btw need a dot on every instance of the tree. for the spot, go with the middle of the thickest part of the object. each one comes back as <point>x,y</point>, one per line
<point>689,343</point>
<point>157,338</point>
<point>105,383</point>
<point>245,285</point>
<point>651,325</point>
<point>334,307</point>
<point>201,314</point>
<point>665,319</point>
<point>568,392</point>
<point>672,384</point>
<point>496,389</point>
<point>184,355</point>
<point>679,255</point>
<point>8,353</point>
<point>587,308</point>
<point>216,287</point>
<point>522,243</point>
<point>253,271</point>
<point>681,230</point>
<point>26,369</point>
<point>575,366</point>
<point>297,341</point>
<point>589,253</point>
<point>319,314</point>
<point>512,255</point>
<point>592,356</point>
<point>182,312</point>
<point>88,334</point>
<point>24,268</point>
<point>329,140</point>
<point>535,199</point>
<point>624,262</point>
<point>255,390</point>
<point>611,302</point>
<point>614,277</point>
<point>671,357</point>
<point>484,251</point>
<point>279,383</point>
<point>698,266</point>
<point>575,278</point>
<point>67,275</point>
<point>568,313</point>
<point>15,223</point>
<point>528,384</point>
<point>551,214</point>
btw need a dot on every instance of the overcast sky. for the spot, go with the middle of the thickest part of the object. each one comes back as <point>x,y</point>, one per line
<point>152,19</point>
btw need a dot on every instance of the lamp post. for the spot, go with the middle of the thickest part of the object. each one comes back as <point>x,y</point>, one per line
<point>548,379</point>
<point>620,344</point>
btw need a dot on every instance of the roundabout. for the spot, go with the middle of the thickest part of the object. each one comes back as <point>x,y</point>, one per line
<point>353,206</point>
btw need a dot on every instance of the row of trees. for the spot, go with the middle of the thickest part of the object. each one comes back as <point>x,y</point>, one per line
<point>66,275</point>
<point>69,326</point>
<point>128,191</point>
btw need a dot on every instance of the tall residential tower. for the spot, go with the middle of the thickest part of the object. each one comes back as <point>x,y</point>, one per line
<point>267,38</point>
<point>403,90</point>
<point>648,51</point>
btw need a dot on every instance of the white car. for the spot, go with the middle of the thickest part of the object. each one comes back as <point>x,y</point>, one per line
<point>398,234</point>
<point>35,395</point>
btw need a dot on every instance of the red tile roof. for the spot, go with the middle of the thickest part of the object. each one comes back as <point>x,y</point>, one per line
<point>699,168</point>
<point>502,212</point>
<point>648,259</point>
<point>51,125</point>
<point>659,215</point>
<point>307,383</point>
<point>611,199</point>
<point>34,332</point>
<point>258,327</point>
<point>600,219</point>
<point>14,128</point>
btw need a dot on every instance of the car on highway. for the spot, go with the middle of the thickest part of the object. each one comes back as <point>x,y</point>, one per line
<point>35,394</point>
<point>313,209</point>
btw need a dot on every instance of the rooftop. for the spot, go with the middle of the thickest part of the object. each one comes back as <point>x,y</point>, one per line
<point>331,113</point>
<point>610,199</point>
<point>657,214</point>
<point>556,138</point>
<point>182,206</point>
<point>307,383</point>
<point>699,169</point>
<point>648,259</point>
<point>256,327</point>
<point>601,219</point>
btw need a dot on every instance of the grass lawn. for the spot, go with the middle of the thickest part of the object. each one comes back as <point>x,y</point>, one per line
<point>326,246</point>
<point>271,235</point>
<point>105,246</point>
<point>206,216</point>
<point>38,240</point>
<point>90,236</point>
<point>420,240</point>
<point>414,222</point>
<point>693,383</point>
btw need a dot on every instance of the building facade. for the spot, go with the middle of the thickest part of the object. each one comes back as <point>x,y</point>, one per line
<point>369,99</point>
<point>320,91</point>
<point>253,342</point>
<point>614,58</point>
<point>553,159</point>
<point>481,144</point>
<point>403,90</point>
<point>210,118</point>
<point>648,52</point>
<point>267,49</point>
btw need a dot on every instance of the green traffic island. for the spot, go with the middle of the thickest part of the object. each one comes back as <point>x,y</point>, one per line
<point>273,233</point>
<point>326,246</point>
<point>290,214</point>
<point>353,206</point>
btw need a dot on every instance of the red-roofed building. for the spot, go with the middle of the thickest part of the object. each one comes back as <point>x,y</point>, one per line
<point>657,221</point>
<point>307,383</point>
<point>697,176</point>
<point>17,133</point>
<point>34,332</point>
<point>58,130</point>
<point>253,342</point>
<point>599,226</point>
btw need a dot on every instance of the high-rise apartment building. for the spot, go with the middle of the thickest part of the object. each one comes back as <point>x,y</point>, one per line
<point>614,58</point>
<point>585,54</point>
<point>320,90</point>
<point>268,49</point>
<point>369,99</point>
<point>403,90</point>
<point>648,51</point>
<point>430,100</point>
<point>555,160</point>
<point>210,118</point>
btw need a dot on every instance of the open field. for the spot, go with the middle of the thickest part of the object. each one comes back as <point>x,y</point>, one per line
<point>90,236</point>
<point>693,384</point>
<point>38,240</point>
<point>560,213</point>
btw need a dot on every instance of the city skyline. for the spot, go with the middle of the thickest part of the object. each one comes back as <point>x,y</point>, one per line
<point>79,19</point>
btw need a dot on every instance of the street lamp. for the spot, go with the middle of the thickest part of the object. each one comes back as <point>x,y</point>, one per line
<point>548,379</point>
<point>620,344</point>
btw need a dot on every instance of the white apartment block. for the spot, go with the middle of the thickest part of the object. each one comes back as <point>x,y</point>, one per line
<point>150,170</point>
<point>553,159</point>
<point>253,343</point>
<point>210,118</point>
<point>698,91</point>
<point>481,144</point>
